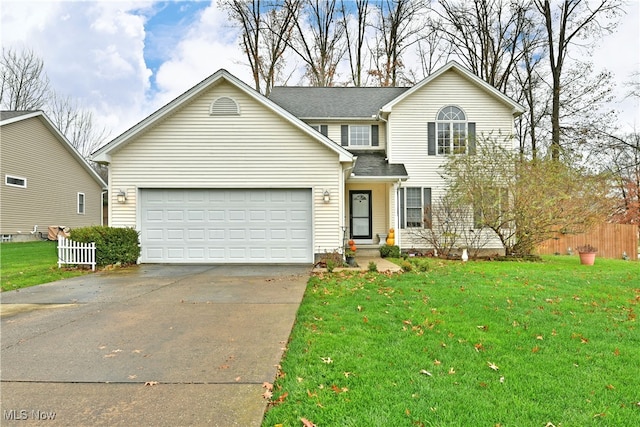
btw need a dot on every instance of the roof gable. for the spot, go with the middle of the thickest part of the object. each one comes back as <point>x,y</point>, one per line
<point>8,117</point>
<point>103,153</point>
<point>516,108</point>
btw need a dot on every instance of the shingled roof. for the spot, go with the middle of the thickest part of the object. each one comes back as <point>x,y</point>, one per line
<point>6,114</point>
<point>371,164</point>
<point>334,102</point>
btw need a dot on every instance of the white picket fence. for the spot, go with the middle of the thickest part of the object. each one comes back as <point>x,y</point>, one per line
<point>76,253</point>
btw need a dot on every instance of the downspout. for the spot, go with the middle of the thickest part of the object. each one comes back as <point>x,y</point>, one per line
<point>102,207</point>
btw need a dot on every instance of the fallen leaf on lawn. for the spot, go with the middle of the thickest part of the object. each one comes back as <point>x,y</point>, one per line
<point>610,386</point>
<point>267,395</point>
<point>451,371</point>
<point>359,308</point>
<point>584,340</point>
<point>282,397</point>
<point>151,383</point>
<point>535,349</point>
<point>601,414</point>
<point>539,337</point>
<point>479,347</point>
<point>424,372</point>
<point>299,379</point>
<point>347,374</point>
<point>616,352</point>
<point>267,385</point>
<point>437,362</point>
<point>493,366</point>
<point>365,319</point>
<point>502,379</point>
<point>311,394</point>
<point>307,423</point>
<point>326,359</point>
<point>549,425</point>
<point>483,327</point>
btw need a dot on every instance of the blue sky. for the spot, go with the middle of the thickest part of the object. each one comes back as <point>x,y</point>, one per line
<point>123,59</point>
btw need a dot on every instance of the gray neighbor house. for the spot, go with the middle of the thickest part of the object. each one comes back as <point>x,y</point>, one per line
<point>46,182</point>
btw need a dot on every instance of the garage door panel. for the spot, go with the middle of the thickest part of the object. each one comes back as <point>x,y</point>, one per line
<point>226,226</point>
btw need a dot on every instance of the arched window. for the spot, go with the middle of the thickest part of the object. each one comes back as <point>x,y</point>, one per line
<point>452,131</point>
<point>224,106</point>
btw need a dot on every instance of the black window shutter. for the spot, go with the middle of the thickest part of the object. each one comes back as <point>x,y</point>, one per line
<point>374,136</point>
<point>472,137</point>
<point>426,201</point>
<point>401,205</point>
<point>431,137</point>
<point>324,130</point>
<point>344,131</point>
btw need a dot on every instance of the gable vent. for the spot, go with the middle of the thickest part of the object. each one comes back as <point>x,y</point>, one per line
<point>224,106</point>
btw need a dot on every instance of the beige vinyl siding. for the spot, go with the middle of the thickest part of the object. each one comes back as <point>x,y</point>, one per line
<point>407,126</point>
<point>54,179</point>
<point>256,149</point>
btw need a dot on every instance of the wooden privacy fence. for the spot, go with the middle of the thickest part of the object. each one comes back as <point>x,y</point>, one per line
<point>612,240</point>
<point>76,253</point>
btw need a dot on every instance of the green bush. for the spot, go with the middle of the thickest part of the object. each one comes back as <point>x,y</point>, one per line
<point>373,267</point>
<point>113,245</point>
<point>388,251</point>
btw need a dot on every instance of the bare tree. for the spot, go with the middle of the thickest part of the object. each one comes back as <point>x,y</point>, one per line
<point>319,40</point>
<point>486,35</point>
<point>355,42</point>
<point>24,84</point>
<point>77,124</point>
<point>265,28</point>
<point>574,20</point>
<point>398,28</point>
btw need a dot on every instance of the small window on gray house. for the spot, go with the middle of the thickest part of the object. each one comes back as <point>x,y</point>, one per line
<point>224,106</point>
<point>15,181</point>
<point>81,203</point>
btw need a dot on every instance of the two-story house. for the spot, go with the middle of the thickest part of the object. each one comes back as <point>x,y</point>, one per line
<point>46,181</point>
<point>223,174</point>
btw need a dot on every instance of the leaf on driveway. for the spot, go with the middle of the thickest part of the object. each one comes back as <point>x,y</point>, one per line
<point>267,394</point>
<point>267,385</point>
<point>151,383</point>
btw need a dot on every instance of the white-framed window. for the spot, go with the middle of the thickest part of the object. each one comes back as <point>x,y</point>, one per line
<point>359,135</point>
<point>415,207</point>
<point>451,125</point>
<point>81,203</point>
<point>15,181</point>
<point>323,129</point>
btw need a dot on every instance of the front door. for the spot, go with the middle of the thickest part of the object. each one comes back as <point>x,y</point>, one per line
<point>360,208</point>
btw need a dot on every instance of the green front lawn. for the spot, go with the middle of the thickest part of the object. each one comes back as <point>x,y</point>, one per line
<point>31,263</point>
<point>473,344</point>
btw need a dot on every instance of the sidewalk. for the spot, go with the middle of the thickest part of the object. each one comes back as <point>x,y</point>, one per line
<point>363,265</point>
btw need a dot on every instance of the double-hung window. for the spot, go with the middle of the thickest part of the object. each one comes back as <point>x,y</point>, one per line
<point>415,207</point>
<point>359,136</point>
<point>451,133</point>
<point>81,203</point>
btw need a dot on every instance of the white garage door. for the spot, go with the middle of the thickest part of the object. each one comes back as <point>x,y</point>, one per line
<point>226,226</point>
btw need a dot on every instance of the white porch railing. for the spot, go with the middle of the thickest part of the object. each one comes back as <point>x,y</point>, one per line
<point>76,253</point>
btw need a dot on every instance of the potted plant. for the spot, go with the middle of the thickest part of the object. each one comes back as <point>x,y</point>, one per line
<point>587,254</point>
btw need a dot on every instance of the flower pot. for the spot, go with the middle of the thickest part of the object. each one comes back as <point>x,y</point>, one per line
<point>587,258</point>
<point>351,260</point>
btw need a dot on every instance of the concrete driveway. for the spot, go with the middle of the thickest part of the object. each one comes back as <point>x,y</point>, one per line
<point>151,345</point>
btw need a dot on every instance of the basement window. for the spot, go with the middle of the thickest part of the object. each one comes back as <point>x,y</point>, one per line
<point>15,181</point>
